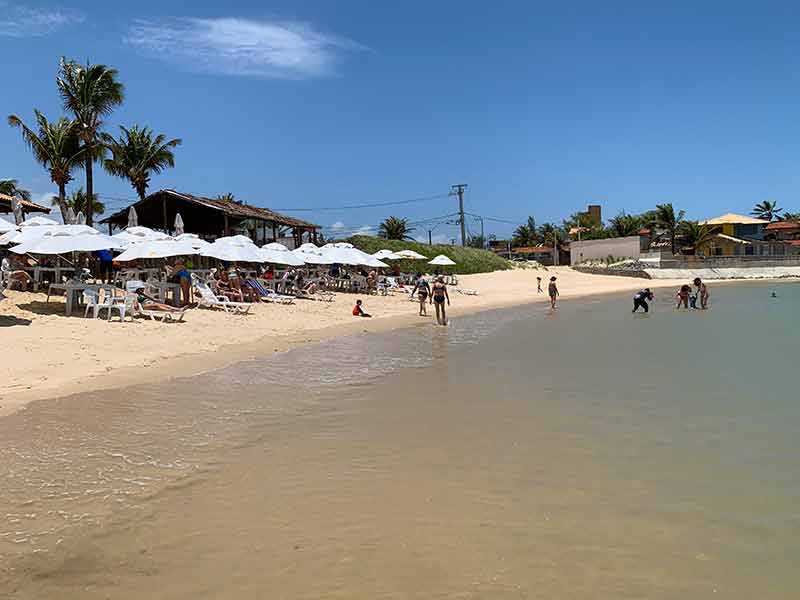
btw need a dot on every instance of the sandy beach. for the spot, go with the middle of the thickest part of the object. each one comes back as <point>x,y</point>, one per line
<point>49,355</point>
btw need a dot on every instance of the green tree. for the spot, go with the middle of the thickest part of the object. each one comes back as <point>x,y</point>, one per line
<point>395,228</point>
<point>137,154</point>
<point>56,147</point>
<point>790,216</point>
<point>550,234</point>
<point>90,93</point>
<point>624,225</point>
<point>77,202</point>
<point>227,197</point>
<point>696,236</point>
<point>476,241</point>
<point>766,210</point>
<point>526,234</point>
<point>10,187</point>
<point>669,221</point>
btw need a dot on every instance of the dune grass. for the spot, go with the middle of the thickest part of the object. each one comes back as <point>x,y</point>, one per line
<point>468,260</point>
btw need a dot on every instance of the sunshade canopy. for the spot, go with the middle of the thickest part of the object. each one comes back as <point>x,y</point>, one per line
<point>441,261</point>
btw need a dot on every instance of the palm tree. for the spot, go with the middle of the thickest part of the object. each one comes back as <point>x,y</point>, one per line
<point>766,210</point>
<point>77,202</point>
<point>526,234</point>
<point>790,216</point>
<point>395,228</point>
<point>228,197</point>
<point>695,235</point>
<point>56,147</point>
<point>90,93</point>
<point>549,234</point>
<point>666,219</point>
<point>625,225</point>
<point>10,187</point>
<point>137,154</point>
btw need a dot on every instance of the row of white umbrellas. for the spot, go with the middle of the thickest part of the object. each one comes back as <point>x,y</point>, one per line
<point>40,235</point>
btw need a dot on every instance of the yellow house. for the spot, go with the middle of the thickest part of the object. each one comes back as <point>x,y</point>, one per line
<point>740,235</point>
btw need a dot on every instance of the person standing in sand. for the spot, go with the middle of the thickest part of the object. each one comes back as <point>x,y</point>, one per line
<point>438,296</point>
<point>539,285</point>
<point>552,291</point>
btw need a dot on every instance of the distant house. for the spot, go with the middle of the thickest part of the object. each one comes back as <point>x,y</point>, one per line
<point>782,230</point>
<point>740,235</point>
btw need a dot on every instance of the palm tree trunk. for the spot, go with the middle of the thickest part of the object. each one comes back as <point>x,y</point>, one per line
<point>89,189</point>
<point>62,204</point>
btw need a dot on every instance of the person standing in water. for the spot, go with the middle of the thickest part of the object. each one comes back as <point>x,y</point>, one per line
<point>552,291</point>
<point>683,296</point>
<point>539,285</point>
<point>641,299</point>
<point>423,290</point>
<point>438,296</point>
<point>702,293</point>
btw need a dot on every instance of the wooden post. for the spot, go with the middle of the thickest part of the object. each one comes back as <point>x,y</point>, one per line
<point>225,225</point>
<point>274,232</point>
<point>164,210</point>
<point>109,228</point>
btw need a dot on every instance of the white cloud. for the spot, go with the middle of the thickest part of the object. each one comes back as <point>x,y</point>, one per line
<point>17,20</point>
<point>43,198</point>
<point>338,226</point>
<point>234,46</point>
<point>365,230</point>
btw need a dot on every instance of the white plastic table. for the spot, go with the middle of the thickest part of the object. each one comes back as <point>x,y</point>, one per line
<point>72,292</point>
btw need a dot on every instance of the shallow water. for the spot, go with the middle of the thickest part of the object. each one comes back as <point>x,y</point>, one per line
<point>588,453</point>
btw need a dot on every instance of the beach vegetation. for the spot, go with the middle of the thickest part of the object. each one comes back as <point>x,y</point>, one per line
<point>77,202</point>
<point>56,147</point>
<point>468,260</point>
<point>670,221</point>
<point>137,154</point>
<point>395,228</point>
<point>10,187</point>
<point>90,92</point>
<point>694,236</point>
<point>526,234</point>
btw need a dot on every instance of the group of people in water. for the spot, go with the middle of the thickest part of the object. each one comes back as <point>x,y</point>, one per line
<point>427,293</point>
<point>687,297</point>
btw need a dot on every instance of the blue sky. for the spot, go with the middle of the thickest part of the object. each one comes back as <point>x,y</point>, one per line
<point>541,109</point>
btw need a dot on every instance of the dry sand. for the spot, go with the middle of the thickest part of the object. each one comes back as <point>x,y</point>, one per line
<point>47,354</point>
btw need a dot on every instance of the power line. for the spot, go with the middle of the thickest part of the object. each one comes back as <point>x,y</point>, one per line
<point>373,205</point>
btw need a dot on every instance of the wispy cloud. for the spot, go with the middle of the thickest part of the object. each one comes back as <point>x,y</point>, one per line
<point>18,20</point>
<point>244,47</point>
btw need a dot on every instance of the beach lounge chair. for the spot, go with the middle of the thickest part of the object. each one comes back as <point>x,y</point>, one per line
<point>210,300</point>
<point>467,292</point>
<point>266,294</point>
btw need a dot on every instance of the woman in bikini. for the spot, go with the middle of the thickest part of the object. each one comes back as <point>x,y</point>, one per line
<point>438,296</point>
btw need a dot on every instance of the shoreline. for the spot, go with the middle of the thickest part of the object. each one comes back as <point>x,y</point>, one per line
<point>504,289</point>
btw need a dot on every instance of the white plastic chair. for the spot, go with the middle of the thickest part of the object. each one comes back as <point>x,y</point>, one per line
<point>125,306</point>
<point>92,300</point>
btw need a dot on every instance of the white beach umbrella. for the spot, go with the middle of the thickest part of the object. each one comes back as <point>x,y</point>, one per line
<point>62,239</point>
<point>386,254</point>
<point>347,254</point>
<point>229,249</point>
<point>5,226</point>
<point>193,239</point>
<point>135,234</point>
<point>25,234</point>
<point>69,217</point>
<point>311,255</point>
<point>278,254</point>
<point>158,249</point>
<point>38,221</point>
<point>16,209</point>
<point>410,254</point>
<point>178,224</point>
<point>133,218</point>
<point>441,261</point>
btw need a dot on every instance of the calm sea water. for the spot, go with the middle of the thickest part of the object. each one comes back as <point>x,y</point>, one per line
<point>586,453</point>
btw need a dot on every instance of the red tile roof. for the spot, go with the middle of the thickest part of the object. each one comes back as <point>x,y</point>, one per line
<point>782,226</point>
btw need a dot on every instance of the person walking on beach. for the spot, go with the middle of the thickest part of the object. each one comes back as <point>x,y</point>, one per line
<point>641,299</point>
<point>539,285</point>
<point>438,296</point>
<point>423,290</point>
<point>552,291</point>
<point>702,293</point>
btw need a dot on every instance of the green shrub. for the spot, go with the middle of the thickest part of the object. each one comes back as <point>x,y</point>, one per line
<point>468,260</point>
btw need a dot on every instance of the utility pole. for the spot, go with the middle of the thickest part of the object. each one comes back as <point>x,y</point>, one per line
<point>430,237</point>
<point>458,190</point>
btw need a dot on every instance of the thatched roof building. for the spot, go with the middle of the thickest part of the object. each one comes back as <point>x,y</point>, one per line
<point>27,206</point>
<point>212,217</point>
